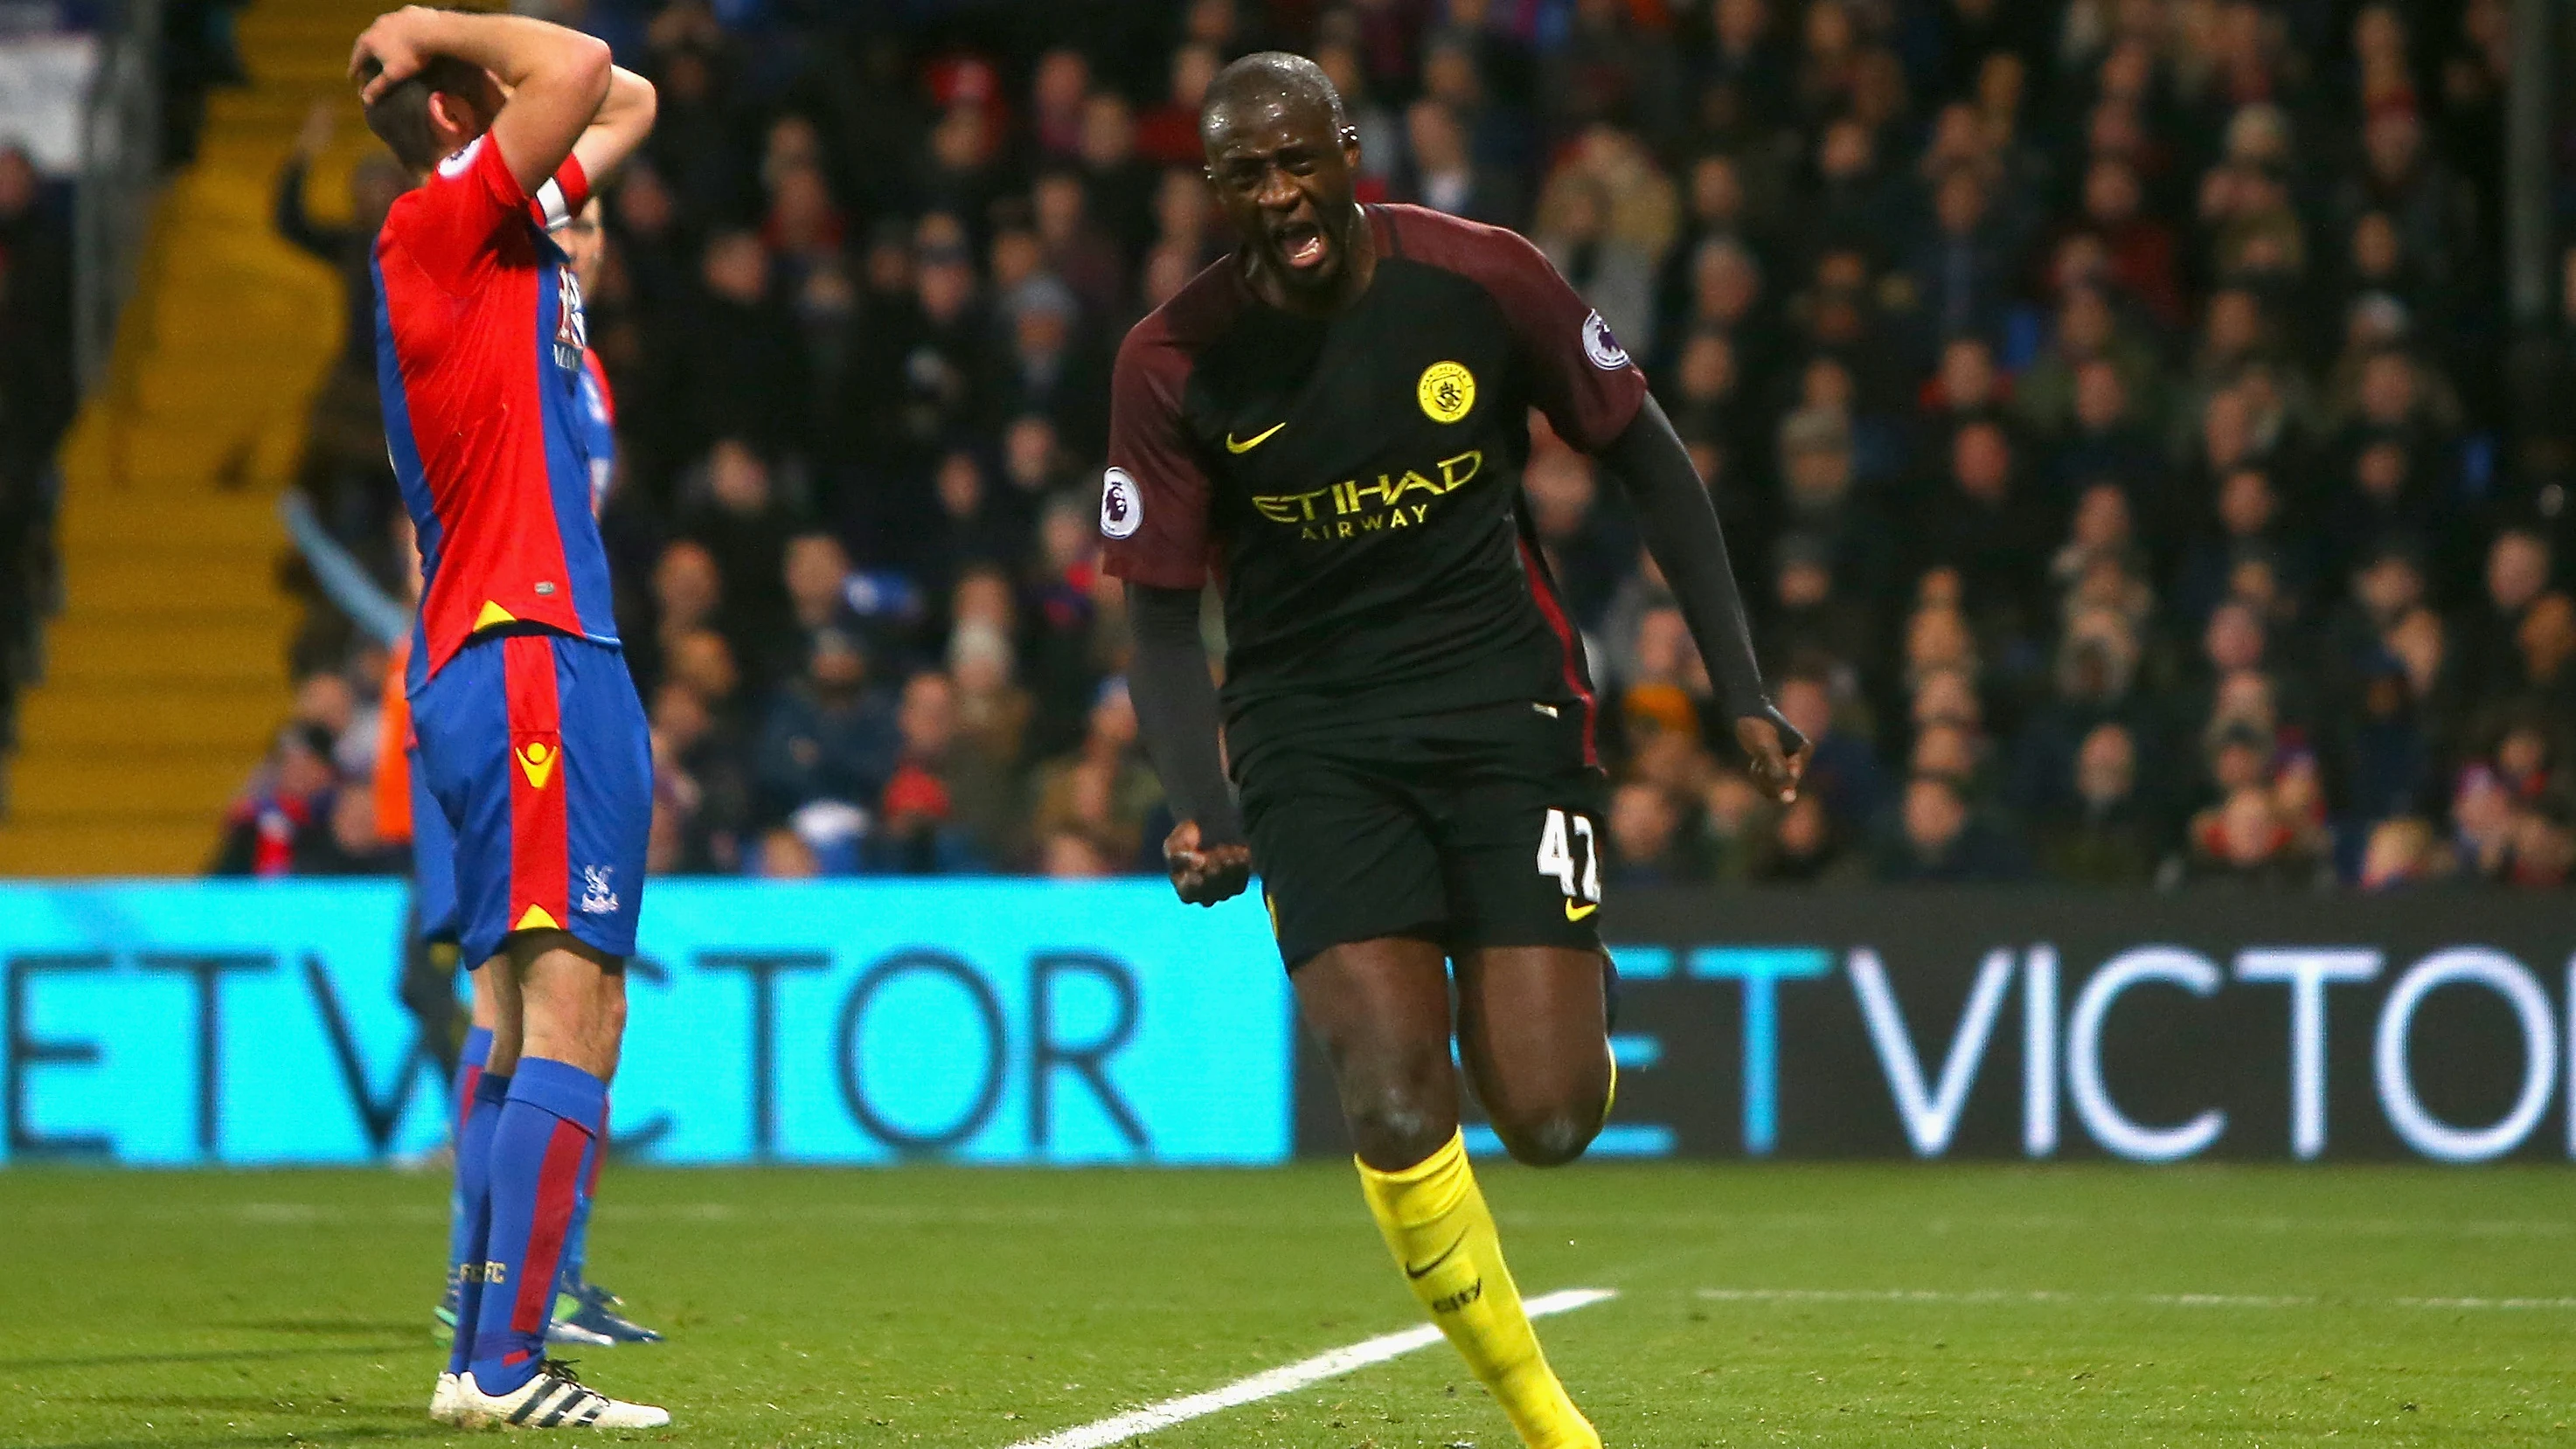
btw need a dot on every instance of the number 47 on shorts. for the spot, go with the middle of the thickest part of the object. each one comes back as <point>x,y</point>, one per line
<point>1580,879</point>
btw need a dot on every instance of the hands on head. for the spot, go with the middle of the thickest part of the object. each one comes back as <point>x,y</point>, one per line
<point>1205,876</point>
<point>389,52</point>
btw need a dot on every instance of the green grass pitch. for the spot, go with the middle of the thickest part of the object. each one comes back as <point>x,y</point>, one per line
<point>1843,1305</point>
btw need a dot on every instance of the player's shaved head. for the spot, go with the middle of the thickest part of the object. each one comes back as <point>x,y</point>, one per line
<point>401,116</point>
<point>1270,77</point>
<point>1282,157</point>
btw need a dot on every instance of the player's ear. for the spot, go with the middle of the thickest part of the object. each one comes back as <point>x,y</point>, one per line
<point>1351,146</point>
<point>446,114</point>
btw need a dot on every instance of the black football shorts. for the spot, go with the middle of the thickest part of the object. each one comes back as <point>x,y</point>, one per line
<point>1478,828</point>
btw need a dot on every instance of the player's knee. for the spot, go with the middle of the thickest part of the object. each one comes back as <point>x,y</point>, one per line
<point>1550,1137</point>
<point>1393,1127</point>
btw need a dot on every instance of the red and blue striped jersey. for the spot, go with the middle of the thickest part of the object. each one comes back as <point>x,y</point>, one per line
<point>598,429</point>
<point>480,348</point>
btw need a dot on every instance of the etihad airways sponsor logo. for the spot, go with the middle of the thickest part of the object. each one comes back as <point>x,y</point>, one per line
<point>1355,507</point>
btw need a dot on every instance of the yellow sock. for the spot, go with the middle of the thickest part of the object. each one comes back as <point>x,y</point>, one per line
<point>1436,1224</point>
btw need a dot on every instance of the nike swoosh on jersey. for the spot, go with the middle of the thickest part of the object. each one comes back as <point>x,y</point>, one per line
<point>1255,441</point>
<point>1427,1269</point>
<point>1575,912</point>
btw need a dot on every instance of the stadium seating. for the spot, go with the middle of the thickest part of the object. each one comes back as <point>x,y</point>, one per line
<point>167,665</point>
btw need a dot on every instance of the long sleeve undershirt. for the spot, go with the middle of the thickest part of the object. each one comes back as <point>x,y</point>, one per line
<point>1176,710</point>
<point>1682,532</point>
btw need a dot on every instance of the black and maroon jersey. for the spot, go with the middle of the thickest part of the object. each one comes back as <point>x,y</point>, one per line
<point>1355,481</point>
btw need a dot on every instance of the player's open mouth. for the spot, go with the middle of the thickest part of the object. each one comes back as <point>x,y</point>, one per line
<point>1301,245</point>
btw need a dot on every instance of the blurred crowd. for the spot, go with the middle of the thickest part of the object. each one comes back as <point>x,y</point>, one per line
<point>2110,403</point>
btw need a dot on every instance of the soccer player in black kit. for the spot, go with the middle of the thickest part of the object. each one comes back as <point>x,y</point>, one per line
<point>1332,424</point>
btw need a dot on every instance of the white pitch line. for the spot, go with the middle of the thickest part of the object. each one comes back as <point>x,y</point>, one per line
<point>2159,1300</point>
<point>1286,1379</point>
<point>2505,1303</point>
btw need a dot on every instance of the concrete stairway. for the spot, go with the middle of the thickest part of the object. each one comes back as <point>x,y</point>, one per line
<point>166,671</point>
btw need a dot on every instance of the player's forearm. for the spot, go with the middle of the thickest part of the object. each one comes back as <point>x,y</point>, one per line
<point>1683,534</point>
<point>521,51</point>
<point>629,104</point>
<point>625,118</point>
<point>1176,710</point>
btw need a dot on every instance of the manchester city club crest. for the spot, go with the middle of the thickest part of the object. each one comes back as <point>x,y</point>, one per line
<point>1447,391</point>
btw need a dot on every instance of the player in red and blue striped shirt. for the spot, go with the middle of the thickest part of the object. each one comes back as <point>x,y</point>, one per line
<point>531,740</point>
<point>585,1313</point>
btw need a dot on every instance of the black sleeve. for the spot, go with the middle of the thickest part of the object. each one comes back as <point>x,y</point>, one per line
<point>1682,533</point>
<point>1176,709</point>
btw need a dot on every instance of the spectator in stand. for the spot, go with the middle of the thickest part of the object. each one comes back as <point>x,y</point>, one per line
<point>1102,791</point>
<point>922,826</point>
<point>1821,501</point>
<point>1938,839</point>
<point>1644,846</point>
<point>1122,182</point>
<point>744,374</point>
<point>1612,273</point>
<point>2250,528</point>
<point>1168,134</point>
<point>2518,571</point>
<point>1064,648</point>
<point>2098,656</point>
<point>2384,755</point>
<point>2109,441</point>
<point>1812,618</point>
<point>2103,834</point>
<point>1074,247</point>
<point>1058,85</point>
<point>738,517</point>
<point>1380,129</point>
<point>1444,174</point>
<point>1959,270</point>
<point>2403,853</point>
<point>1050,368</point>
<point>281,825</point>
<point>2087,330</point>
<point>1985,522</point>
<point>1737,828</point>
<point>828,745</point>
<point>2244,843</point>
<point>2544,680</point>
<point>1843,772</point>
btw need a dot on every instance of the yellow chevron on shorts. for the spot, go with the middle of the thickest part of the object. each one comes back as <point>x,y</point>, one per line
<point>536,919</point>
<point>537,762</point>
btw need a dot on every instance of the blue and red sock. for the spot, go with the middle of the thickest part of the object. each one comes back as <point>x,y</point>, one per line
<point>539,1149</point>
<point>576,1250</point>
<point>469,1072</point>
<point>474,1206</point>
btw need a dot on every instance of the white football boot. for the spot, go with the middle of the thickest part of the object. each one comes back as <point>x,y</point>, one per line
<point>443,1405</point>
<point>554,1399</point>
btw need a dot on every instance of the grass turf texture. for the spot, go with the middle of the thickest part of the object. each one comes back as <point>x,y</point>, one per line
<point>937,1307</point>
